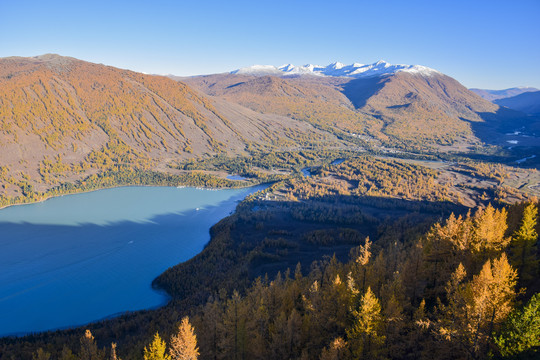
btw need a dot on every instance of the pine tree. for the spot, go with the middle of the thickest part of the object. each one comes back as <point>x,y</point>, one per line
<point>184,343</point>
<point>156,350</point>
<point>521,332</point>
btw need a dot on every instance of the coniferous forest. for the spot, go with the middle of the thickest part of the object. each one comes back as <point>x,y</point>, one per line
<point>311,268</point>
<point>393,212</point>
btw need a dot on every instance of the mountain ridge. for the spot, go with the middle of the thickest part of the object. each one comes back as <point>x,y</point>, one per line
<point>402,109</point>
<point>336,69</point>
<point>527,102</point>
<point>493,95</point>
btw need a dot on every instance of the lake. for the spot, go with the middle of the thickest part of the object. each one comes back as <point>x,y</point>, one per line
<point>79,258</point>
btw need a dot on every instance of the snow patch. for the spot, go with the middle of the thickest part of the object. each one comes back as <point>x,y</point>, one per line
<point>337,69</point>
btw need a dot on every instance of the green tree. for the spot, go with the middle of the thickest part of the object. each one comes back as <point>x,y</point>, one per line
<point>523,245</point>
<point>156,350</point>
<point>521,332</point>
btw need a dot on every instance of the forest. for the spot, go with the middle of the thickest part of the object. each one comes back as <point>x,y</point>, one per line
<point>368,258</point>
<point>397,221</point>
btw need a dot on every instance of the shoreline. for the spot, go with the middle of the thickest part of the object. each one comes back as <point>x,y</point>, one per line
<point>167,298</point>
<point>127,185</point>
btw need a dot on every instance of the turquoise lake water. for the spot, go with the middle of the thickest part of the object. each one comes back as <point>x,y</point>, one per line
<point>79,258</point>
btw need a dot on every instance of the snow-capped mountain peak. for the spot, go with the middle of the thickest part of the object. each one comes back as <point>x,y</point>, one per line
<point>336,69</point>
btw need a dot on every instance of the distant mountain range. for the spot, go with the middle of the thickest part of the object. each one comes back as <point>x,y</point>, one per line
<point>527,102</point>
<point>62,119</point>
<point>492,95</point>
<point>403,106</point>
<point>336,69</point>
<point>524,99</point>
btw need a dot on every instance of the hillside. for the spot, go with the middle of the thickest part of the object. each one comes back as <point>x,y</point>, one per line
<point>528,102</point>
<point>62,119</point>
<point>406,109</point>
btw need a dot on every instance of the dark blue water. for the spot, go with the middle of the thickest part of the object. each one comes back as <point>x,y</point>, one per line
<point>79,258</point>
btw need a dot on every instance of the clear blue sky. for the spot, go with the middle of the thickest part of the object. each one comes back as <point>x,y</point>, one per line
<point>488,44</point>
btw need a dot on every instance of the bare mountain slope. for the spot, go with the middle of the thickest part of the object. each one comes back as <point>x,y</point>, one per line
<point>62,118</point>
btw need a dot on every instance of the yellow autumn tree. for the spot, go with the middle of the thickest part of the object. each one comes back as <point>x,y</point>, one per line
<point>477,307</point>
<point>489,226</point>
<point>366,334</point>
<point>335,351</point>
<point>156,350</point>
<point>184,343</point>
<point>523,245</point>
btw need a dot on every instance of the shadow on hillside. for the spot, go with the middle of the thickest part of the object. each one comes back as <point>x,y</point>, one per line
<point>515,135</point>
<point>262,237</point>
<point>505,127</point>
<point>265,237</point>
<point>358,91</point>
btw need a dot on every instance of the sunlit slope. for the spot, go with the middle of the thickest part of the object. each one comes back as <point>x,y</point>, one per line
<point>406,110</point>
<point>62,118</point>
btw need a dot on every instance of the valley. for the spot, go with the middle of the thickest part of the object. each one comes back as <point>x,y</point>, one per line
<point>400,164</point>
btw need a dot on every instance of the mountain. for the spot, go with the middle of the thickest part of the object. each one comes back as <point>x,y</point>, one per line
<point>62,119</point>
<point>399,106</point>
<point>492,95</point>
<point>336,69</point>
<point>528,102</point>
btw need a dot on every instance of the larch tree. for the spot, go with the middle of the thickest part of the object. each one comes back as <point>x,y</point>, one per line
<point>89,349</point>
<point>183,344</point>
<point>67,354</point>
<point>476,308</point>
<point>523,245</point>
<point>489,226</point>
<point>335,351</point>
<point>362,260</point>
<point>156,350</point>
<point>366,334</point>
<point>113,352</point>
